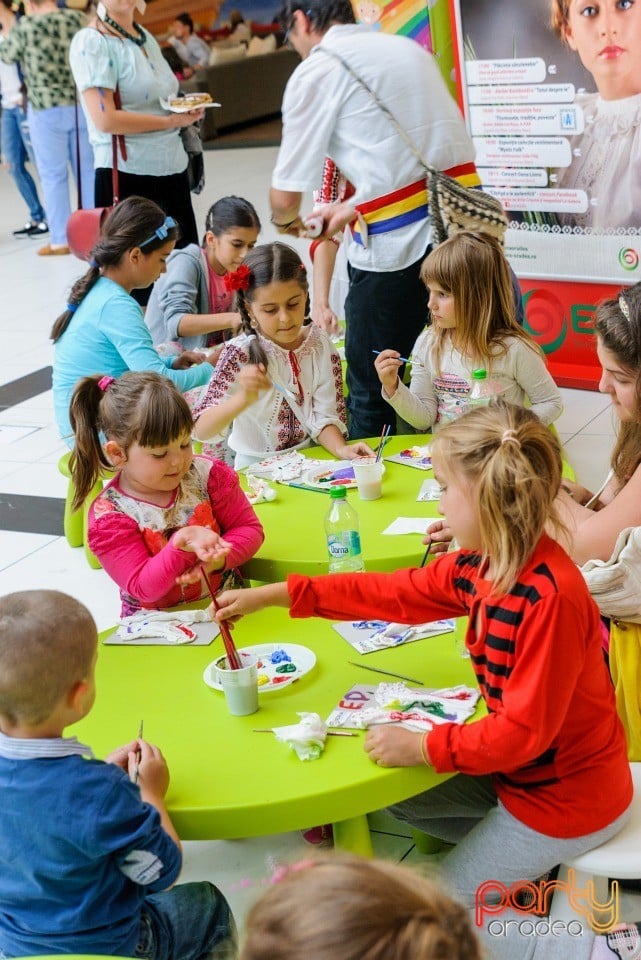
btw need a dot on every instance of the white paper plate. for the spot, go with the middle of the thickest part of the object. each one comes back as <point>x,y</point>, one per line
<point>302,657</point>
<point>187,107</point>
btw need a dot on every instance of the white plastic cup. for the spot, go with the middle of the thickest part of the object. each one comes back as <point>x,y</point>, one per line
<point>239,686</point>
<point>369,477</point>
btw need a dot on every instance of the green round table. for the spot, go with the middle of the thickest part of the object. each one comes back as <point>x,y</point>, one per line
<point>229,782</point>
<point>295,533</point>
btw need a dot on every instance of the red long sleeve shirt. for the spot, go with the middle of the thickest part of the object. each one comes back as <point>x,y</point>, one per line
<point>552,738</point>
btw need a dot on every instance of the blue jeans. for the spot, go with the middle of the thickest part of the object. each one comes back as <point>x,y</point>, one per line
<point>53,135</point>
<point>192,921</point>
<point>16,148</point>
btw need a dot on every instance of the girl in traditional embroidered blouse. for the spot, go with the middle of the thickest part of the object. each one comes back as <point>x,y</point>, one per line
<point>279,383</point>
<point>166,514</point>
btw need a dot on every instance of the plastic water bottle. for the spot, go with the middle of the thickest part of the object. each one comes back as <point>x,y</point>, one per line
<point>343,538</point>
<point>482,390</point>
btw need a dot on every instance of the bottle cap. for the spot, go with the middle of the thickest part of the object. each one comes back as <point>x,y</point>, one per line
<point>338,493</point>
<point>480,374</point>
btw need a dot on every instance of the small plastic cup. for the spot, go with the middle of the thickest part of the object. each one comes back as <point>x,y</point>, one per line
<point>369,477</point>
<point>239,686</point>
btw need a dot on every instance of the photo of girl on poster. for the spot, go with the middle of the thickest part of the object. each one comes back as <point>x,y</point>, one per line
<point>599,54</point>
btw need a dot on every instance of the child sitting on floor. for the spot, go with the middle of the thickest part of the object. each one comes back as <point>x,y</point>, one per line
<point>345,907</point>
<point>84,851</point>
<point>166,513</point>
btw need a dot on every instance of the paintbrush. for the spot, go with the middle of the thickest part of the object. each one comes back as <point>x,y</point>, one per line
<point>233,657</point>
<point>381,445</point>
<point>138,754</point>
<point>426,554</point>
<point>388,673</point>
<point>330,733</point>
<point>402,359</point>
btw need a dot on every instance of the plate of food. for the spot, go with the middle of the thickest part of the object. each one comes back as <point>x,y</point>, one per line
<point>190,101</point>
<point>279,665</point>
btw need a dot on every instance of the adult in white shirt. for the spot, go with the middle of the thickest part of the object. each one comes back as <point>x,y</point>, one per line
<point>327,112</point>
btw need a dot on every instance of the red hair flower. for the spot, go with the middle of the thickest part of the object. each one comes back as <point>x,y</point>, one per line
<point>238,279</point>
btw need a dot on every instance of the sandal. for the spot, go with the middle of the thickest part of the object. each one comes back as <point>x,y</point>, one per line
<point>50,251</point>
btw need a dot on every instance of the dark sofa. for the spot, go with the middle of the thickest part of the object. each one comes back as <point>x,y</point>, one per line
<point>248,89</point>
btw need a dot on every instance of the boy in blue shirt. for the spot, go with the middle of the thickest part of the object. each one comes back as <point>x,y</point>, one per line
<point>84,852</point>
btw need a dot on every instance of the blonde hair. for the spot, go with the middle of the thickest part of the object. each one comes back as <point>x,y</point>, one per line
<point>340,907</point>
<point>472,268</point>
<point>618,326</point>
<point>514,463</point>
<point>559,12</point>
<point>47,643</point>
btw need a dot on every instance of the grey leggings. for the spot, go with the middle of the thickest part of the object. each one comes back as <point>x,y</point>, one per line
<point>493,845</point>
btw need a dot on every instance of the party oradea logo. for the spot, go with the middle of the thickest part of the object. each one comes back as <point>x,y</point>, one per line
<point>528,903</point>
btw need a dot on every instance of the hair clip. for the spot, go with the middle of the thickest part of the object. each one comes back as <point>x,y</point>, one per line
<point>623,307</point>
<point>94,263</point>
<point>162,232</point>
<point>284,870</point>
<point>509,436</point>
<point>240,279</point>
<point>105,382</point>
<point>72,307</point>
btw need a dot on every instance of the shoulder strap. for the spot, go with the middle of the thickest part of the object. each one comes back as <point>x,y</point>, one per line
<point>388,113</point>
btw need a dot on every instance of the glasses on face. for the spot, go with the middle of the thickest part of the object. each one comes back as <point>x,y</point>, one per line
<point>162,232</point>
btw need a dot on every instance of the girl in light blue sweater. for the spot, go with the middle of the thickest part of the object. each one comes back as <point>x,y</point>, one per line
<point>102,329</point>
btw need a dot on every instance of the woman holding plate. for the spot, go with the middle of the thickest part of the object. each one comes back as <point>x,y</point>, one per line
<point>115,58</point>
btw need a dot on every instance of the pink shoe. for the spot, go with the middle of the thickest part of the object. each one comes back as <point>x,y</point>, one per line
<point>319,836</point>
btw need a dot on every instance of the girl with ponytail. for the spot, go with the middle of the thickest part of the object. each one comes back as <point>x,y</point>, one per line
<point>102,328</point>
<point>528,792</point>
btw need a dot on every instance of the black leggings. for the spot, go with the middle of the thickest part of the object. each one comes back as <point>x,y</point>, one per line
<point>171,193</point>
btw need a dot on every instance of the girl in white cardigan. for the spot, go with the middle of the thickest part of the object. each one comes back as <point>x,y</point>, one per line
<point>473,325</point>
<point>279,383</point>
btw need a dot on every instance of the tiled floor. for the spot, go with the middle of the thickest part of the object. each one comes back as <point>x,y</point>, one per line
<point>33,293</point>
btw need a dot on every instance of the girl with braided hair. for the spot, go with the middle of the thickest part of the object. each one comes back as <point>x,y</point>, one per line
<point>279,383</point>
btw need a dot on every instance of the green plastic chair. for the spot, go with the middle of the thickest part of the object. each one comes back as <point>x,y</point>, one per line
<point>75,521</point>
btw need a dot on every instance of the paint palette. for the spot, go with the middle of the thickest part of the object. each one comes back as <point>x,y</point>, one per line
<point>279,665</point>
<point>339,473</point>
<point>418,456</point>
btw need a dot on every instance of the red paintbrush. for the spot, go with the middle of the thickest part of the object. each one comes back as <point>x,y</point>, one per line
<point>233,657</point>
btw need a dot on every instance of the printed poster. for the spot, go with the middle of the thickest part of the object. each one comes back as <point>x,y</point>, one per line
<point>555,115</point>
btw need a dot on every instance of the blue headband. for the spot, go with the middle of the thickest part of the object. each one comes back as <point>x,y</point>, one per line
<point>162,232</point>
